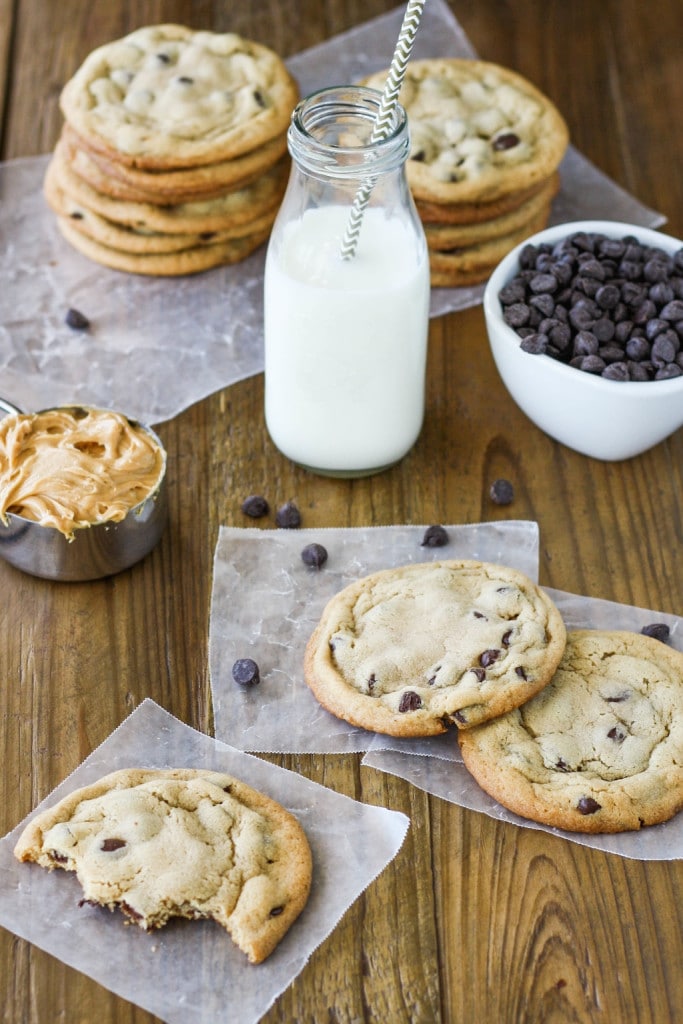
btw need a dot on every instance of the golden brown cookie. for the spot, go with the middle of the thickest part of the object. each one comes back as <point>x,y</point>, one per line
<point>444,237</point>
<point>476,213</point>
<point>235,212</point>
<point>600,749</point>
<point>142,238</point>
<point>414,650</point>
<point>472,264</point>
<point>113,178</point>
<point>478,131</point>
<point>165,264</point>
<point>186,843</point>
<point>166,96</point>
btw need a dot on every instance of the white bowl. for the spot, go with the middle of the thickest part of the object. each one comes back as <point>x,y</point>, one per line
<point>602,418</point>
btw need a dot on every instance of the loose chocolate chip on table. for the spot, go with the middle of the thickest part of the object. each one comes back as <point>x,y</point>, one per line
<point>245,672</point>
<point>77,320</point>
<point>434,537</point>
<point>314,555</point>
<point>288,516</point>
<point>410,701</point>
<point>255,506</point>
<point>658,630</point>
<point>502,492</point>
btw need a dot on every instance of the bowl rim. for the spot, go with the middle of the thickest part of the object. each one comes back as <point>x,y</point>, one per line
<point>504,272</point>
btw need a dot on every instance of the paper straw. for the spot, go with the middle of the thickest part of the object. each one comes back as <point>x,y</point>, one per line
<point>382,126</point>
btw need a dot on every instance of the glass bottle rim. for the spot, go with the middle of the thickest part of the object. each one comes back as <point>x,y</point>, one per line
<point>350,110</point>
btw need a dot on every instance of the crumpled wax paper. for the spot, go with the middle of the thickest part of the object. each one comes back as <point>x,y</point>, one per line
<point>158,345</point>
<point>266,602</point>
<point>190,972</point>
<point>435,764</point>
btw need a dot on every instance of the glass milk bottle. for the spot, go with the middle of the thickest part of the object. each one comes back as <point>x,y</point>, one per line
<point>346,339</point>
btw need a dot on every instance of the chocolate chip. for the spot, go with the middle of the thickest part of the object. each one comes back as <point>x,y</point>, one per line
<point>255,506</point>
<point>587,805</point>
<point>259,98</point>
<point>480,674</point>
<point>77,320</point>
<point>288,516</point>
<point>434,537</point>
<point>616,734</point>
<point>185,80</point>
<point>371,682</point>
<point>520,671</point>
<point>507,140</point>
<point>561,765</point>
<point>410,701</point>
<point>314,555</point>
<point>502,492</point>
<point>618,698</point>
<point>488,657</point>
<point>505,639</point>
<point>658,630</point>
<point>459,716</point>
<point>109,845</point>
<point>58,858</point>
<point>616,289</point>
<point>276,911</point>
<point>245,672</point>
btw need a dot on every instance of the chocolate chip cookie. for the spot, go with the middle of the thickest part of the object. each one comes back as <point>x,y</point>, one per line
<point>180,843</point>
<point>415,650</point>
<point>600,749</point>
<point>166,96</point>
<point>478,131</point>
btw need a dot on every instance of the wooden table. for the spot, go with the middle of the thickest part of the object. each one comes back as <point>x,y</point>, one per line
<point>474,921</point>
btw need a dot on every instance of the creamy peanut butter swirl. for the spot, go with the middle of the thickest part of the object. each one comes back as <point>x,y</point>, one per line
<point>75,467</point>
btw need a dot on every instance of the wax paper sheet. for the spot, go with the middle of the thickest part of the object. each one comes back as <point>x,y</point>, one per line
<point>191,972</point>
<point>156,346</point>
<point>265,604</point>
<point>436,766</point>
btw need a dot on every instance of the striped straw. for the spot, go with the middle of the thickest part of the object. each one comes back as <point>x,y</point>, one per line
<point>382,126</point>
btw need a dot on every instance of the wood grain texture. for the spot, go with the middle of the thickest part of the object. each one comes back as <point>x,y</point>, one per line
<point>474,921</point>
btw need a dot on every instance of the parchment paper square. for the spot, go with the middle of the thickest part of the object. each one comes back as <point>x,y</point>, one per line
<point>266,603</point>
<point>190,972</point>
<point>436,765</point>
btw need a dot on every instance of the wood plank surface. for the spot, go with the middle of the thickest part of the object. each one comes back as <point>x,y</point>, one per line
<point>475,921</point>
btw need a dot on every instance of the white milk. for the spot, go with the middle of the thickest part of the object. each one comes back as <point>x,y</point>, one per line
<point>345,341</point>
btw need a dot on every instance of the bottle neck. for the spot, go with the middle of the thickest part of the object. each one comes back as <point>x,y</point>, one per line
<point>331,135</point>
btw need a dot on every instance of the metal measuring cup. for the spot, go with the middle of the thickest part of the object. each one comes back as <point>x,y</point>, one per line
<point>96,551</point>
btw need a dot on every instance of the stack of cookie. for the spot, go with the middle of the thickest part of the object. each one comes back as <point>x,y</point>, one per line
<point>483,168</point>
<point>581,730</point>
<point>173,156</point>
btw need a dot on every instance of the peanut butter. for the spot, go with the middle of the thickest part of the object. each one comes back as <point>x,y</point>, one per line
<point>75,467</point>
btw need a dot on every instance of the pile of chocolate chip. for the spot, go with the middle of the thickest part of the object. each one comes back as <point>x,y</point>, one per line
<point>609,306</point>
